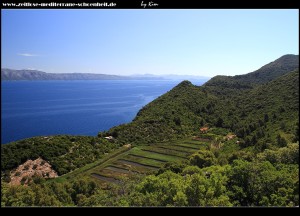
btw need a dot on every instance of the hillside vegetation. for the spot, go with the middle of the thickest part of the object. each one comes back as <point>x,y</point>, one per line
<point>248,154</point>
<point>228,85</point>
<point>65,153</point>
<point>257,115</point>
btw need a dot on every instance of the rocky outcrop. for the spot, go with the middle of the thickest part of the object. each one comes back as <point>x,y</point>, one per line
<point>24,173</point>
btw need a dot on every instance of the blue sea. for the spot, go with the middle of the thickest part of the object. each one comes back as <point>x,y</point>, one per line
<point>43,108</point>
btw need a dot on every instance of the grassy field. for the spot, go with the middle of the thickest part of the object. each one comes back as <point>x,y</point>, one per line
<point>125,161</point>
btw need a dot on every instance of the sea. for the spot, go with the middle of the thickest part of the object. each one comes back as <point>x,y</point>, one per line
<point>44,108</point>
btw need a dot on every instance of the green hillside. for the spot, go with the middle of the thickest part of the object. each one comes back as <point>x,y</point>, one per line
<point>248,157</point>
<point>64,152</point>
<point>228,85</point>
<point>173,115</point>
<point>263,112</point>
<point>271,71</point>
<point>259,113</point>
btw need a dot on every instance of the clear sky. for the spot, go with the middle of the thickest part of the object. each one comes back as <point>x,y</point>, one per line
<point>124,42</point>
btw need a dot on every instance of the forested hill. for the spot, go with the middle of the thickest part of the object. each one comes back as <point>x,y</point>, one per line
<point>259,113</point>
<point>224,85</point>
<point>272,70</point>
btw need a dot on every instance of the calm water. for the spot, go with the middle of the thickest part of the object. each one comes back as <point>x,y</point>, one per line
<point>34,108</point>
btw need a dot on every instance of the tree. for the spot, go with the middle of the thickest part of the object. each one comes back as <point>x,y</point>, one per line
<point>253,140</point>
<point>281,142</point>
<point>296,132</point>
<point>202,190</point>
<point>180,199</point>
<point>266,118</point>
<point>219,122</point>
<point>203,158</point>
<point>177,120</point>
<point>262,184</point>
<point>93,141</point>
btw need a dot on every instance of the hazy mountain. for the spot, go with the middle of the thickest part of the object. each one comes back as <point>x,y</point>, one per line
<point>9,74</point>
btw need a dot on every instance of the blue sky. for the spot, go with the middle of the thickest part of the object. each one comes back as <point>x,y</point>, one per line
<point>124,42</point>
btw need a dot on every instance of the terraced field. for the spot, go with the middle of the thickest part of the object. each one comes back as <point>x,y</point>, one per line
<point>144,159</point>
<point>127,161</point>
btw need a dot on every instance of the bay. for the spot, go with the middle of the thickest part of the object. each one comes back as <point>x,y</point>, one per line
<point>43,108</point>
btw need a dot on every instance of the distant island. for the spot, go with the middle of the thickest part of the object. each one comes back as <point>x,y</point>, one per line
<point>11,74</point>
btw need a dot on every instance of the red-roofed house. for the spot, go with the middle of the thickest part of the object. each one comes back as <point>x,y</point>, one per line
<point>204,129</point>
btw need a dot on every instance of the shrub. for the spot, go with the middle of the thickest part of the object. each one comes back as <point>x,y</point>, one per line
<point>203,158</point>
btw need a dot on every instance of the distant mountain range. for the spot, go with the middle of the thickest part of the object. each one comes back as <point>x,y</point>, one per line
<point>173,77</point>
<point>10,74</point>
